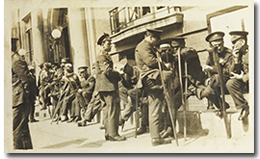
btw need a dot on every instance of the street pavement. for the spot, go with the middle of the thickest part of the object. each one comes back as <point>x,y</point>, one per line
<point>206,135</point>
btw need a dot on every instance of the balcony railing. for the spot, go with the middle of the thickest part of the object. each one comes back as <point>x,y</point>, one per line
<point>121,18</point>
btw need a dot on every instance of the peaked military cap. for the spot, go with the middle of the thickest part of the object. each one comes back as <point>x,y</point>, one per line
<point>165,46</point>
<point>218,35</point>
<point>103,37</point>
<point>235,35</point>
<point>154,32</point>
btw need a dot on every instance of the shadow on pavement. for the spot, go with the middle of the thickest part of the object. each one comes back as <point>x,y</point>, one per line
<point>64,144</point>
<point>93,144</point>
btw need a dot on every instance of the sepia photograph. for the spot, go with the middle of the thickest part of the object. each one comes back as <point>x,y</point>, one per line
<point>129,76</point>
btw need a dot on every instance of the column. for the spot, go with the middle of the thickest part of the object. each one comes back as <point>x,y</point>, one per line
<point>78,37</point>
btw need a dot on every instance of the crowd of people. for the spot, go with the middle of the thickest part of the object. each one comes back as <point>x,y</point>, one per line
<point>119,89</point>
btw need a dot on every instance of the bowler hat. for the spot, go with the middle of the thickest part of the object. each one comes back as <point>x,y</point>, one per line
<point>103,37</point>
<point>235,35</point>
<point>218,35</point>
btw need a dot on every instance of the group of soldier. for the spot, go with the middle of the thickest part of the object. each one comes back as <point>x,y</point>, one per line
<point>165,70</point>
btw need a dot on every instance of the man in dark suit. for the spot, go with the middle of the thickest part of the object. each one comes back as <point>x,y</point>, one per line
<point>239,72</point>
<point>20,97</point>
<point>150,80</point>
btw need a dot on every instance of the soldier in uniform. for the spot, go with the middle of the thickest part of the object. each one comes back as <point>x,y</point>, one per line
<point>83,95</point>
<point>239,72</point>
<point>71,86</point>
<point>212,90</point>
<point>33,93</point>
<point>196,76</point>
<point>20,97</point>
<point>150,81</point>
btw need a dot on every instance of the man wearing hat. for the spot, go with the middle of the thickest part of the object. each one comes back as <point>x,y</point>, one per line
<point>239,72</point>
<point>71,86</point>
<point>83,95</point>
<point>212,90</point>
<point>106,91</point>
<point>150,81</point>
<point>20,97</point>
<point>196,76</point>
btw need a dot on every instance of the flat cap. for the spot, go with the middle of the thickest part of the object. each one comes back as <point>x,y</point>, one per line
<point>83,67</point>
<point>218,35</point>
<point>65,60</point>
<point>102,38</point>
<point>154,32</point>
<point>235,35</point>
<point>165,46</point>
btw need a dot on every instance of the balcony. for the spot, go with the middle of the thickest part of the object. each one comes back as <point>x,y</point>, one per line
<point>126,22</point>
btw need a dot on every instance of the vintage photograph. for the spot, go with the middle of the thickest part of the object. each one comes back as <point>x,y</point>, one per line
<point>128,77</point>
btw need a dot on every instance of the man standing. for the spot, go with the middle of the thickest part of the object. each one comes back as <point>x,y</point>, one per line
<point>212,91</point>
<point>150,80</point>
<point>239,72</point>
<point>20,97</point>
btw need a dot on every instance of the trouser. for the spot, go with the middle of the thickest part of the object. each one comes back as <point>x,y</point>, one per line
<point>212,91</point>
<point>75,108</point>
<point>111,112</point>
<point>21,132</point>
<point>155,98</point>
<point>235,88</point>
<point>66,103</point>
<point>95,105</point>
<point>80,101</point>
<point>131,107</point>
<point>32,109</point>
<point>44,96</point>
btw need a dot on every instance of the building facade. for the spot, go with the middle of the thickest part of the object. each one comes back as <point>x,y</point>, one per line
<point>80,26</point>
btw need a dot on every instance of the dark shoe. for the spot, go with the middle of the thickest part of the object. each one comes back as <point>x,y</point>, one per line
<point>211,107</point>
<point>156,142</point>
<point>102,127</point>
<point>82,123</point>
<point>117,138</point>
<point>107,137</point>
<point>244,114</point>
<point>167,133</point>
<point>141,130</point>
<point>121,122</point>
<point>33,120</point>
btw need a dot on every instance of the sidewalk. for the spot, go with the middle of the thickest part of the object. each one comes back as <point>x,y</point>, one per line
<point>68,138</point>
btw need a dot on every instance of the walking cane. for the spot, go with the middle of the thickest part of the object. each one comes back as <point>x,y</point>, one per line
<point>168,99</point>
<point>181,85</point>
<point>223,106</point>
<point>136,113</point>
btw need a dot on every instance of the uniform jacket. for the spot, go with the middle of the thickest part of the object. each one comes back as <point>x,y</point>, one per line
<point>86,84</point>
<point>242,65</point>
<point>225,59</point>
<point>20,80</point>
<point>106,80</point>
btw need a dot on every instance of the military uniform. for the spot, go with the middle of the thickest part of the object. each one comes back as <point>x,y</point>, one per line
<point>150,81</point>
<point>212,91</point>
<point>20,98</point>
<point>196,76</point>
<point>236,86</point>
